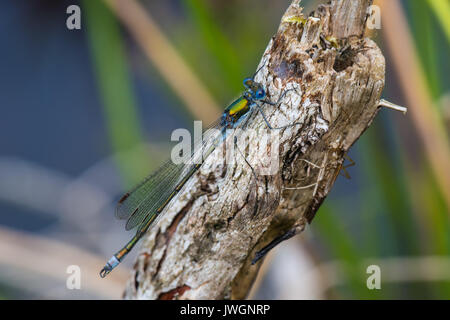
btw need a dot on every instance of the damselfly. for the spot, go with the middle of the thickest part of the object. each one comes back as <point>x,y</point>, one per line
<point>145,204</point>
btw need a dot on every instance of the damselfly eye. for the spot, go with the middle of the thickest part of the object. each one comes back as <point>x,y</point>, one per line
<point>260,93</point>
<point>248,82</point>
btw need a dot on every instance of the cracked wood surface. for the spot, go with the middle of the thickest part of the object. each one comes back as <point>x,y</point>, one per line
<point>203,246</point>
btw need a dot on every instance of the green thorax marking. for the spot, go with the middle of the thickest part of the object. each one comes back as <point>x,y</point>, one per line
<point>238,107</point>
<point>235,111</point>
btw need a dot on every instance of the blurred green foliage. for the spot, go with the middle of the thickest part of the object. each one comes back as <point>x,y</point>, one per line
<point>118,101</point>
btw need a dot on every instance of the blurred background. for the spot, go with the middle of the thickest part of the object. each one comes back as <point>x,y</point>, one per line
<point>87,113</point>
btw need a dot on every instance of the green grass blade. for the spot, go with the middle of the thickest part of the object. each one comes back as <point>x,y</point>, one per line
<point>441,9</point>
<point>342,247</point>
<point>383,170</point>
<point>216,42</point>
<point>119,107</point>
<point>426,44</point>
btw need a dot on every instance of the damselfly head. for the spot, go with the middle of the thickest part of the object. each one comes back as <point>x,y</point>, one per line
<point>259,94</point>
<point>255,89</point>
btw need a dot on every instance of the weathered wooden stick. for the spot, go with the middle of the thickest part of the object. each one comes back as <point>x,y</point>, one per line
<point>204,246</point>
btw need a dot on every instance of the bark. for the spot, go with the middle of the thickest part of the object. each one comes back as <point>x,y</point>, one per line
<point>204,245</point>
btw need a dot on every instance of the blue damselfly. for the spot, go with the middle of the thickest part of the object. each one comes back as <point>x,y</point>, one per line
<point>146,203</point>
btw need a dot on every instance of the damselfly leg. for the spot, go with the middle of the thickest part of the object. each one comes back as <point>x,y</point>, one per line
<point>343,172</point>
<point>285,236</point>
<point>283,94</point>
<point>277,103</point>
<point>245,158</point>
